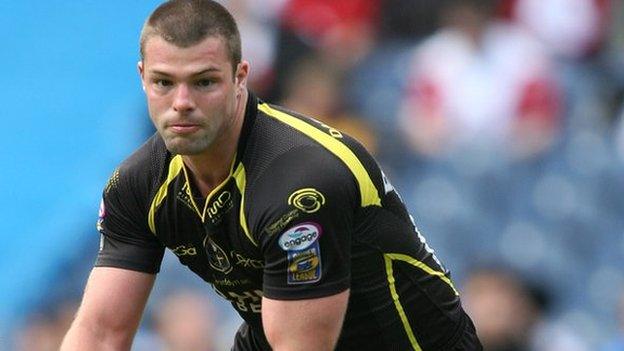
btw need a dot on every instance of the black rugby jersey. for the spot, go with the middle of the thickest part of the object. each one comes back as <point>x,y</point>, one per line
<point>304,213</point>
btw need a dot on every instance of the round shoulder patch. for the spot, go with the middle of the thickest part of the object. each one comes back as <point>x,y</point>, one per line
<point>308,200</point>
<point>300,236</point>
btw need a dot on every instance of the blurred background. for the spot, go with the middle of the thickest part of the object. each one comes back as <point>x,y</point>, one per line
<point>501,123</point>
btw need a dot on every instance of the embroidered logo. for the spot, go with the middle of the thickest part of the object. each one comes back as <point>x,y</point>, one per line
<point>217,258</point>
<point>308,200</point>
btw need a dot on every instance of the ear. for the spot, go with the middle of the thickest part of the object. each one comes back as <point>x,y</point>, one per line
<point>242,73</point>
<point>141,71</point>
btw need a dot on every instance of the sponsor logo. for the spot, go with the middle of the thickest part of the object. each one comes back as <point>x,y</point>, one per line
<point>184,195</point>
<point>246,262</point>
<point>231,282</point>
<point>217,258</point>
<point>308,200</point>
<point>281,223</point>
<point>101,215</point>
<point>220,206</point>
<point>247,301</point>
<point>304,266</point>
<point>331,130</point>
<point>304,262</point>
<point>184,250</point>
<point>300,236</point>
<point>302,247</point>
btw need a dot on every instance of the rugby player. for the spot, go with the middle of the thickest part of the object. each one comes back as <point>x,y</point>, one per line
<point>290,220</point>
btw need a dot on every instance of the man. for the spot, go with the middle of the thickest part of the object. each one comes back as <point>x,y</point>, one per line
<point>287,218</point>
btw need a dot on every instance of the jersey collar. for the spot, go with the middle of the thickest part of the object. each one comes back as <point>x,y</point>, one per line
<point>251,110</point>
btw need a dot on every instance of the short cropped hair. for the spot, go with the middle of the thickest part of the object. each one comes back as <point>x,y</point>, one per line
<point>185,23</point>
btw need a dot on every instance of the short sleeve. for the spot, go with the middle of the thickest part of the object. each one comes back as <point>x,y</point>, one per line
<point>306,202</point>
<point>126,241</point>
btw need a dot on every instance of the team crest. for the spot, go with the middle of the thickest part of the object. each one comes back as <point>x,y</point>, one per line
<point>217,258</point>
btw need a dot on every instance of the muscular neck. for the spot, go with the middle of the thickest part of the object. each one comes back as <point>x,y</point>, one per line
<point>212,167</point>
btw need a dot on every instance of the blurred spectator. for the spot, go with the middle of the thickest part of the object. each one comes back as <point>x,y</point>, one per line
<point>408,20</point>
<point>617,343</point>
<point>44,331</point>
<point>615,45</point>
<point>619,136</point>
<point>185,321</point>
<point>342,32</point>
<point>39,334</point>
<point>572,29</point>
<point>576,33</point>
<point>257,25</point>
<point>480,81</point>
<point>501,308</point>
<point>314,88</point>
<point>510,314</point>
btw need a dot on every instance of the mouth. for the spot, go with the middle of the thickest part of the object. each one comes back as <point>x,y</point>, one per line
<point>183,127</point>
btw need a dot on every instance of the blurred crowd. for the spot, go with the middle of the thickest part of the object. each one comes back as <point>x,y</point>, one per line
<point>501,122</point>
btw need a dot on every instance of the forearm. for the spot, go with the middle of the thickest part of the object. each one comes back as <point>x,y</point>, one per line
<point>111,310</point>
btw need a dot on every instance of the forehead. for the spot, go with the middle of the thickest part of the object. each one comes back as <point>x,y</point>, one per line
<point>164,56</point>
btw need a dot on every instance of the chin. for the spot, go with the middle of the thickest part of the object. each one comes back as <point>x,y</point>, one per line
<point>188,149</point>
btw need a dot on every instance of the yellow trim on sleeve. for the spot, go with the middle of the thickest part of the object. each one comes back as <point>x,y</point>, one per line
<point>175,166</point>
<point>399,307</point>
<point>388,258</point>
<point>368,192</point>
<point>422,266</point>
<point>241,181</point>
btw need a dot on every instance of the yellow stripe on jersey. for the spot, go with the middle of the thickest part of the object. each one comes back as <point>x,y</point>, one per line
<point>388,258</point>
<point>241,181</point>
<point>424,267</point>
<point>368,192</point>
<point>399,307</point>
<point>189,192</point>
<point>175,166</point>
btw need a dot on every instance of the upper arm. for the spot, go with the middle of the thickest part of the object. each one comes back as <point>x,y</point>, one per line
<point>111,308</point>
<point>305,239</point>
<point>312,324</point>
<point>127,241</point>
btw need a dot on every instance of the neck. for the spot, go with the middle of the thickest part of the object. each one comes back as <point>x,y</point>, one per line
<point>212,166</point>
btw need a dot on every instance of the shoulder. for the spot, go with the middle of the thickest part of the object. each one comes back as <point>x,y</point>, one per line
<point>127,195</point>
<point>140,172</point>
<point>293,146</point>
<point>289,150</point>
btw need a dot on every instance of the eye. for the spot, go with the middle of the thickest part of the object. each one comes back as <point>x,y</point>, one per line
<point>163,83</point>
<point>204,83</point>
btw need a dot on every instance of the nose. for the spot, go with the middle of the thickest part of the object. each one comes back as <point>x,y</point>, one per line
<point>183,99</point>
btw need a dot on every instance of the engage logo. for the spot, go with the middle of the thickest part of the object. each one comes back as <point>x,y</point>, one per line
<point>300,236</point>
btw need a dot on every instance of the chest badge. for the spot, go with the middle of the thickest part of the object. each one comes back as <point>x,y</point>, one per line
<point>217,258</point>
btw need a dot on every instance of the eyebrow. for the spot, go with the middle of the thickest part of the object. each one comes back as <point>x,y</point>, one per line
<point>207,70</point>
